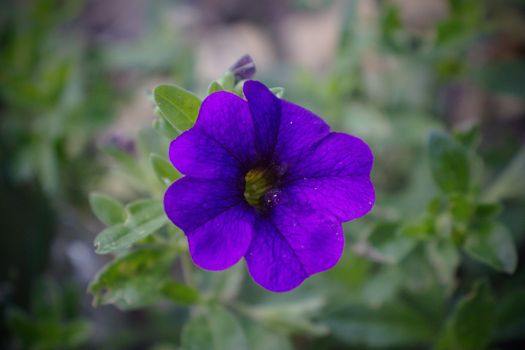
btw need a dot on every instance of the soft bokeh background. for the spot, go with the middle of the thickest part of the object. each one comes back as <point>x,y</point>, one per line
<point>76,76</point>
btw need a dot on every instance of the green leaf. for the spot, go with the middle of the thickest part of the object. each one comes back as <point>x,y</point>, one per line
<point>382,286</point>
<point>214,87</point>
<point>292,316</point>
<point>390,242</point>
<point>163,128</point>
<point>216,329</point>
<point>486,211</point>
<point>108,210</point>
<point>165,172</point>
<point>179,293</point>
<point>397,324</point>
<point>228,81</point>
<point>509,184</point>
<point>460,207</point>
<point>471,325</point>
<point>145,217</point>
<point>132,280</point>
<point>262,338</point>
<point>125,161</point>
<point>277,91</point>
<point>38,333</point>
<point>493,245</point>
<point>449,163</point>
<point>178,106</point>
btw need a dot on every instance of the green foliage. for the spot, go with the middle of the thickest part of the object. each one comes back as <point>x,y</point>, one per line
<point>135,279</point>
<point>215,329</point>
<point>441,208</point>
<point>178,106</point>
<point>163,169</point>
<point>471,324</point>
<point>493,245</point>
<point>144,217</point>
<point>449,163</point>
<point>54,94</point>
<point>53,322</point>
<point>107,209</point>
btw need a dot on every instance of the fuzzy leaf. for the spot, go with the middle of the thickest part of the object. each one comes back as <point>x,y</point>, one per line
<point>108,210</point>
<point>145,217</point>
<point>165,172</point>
<point>180,107</point>
<point>132,280</point>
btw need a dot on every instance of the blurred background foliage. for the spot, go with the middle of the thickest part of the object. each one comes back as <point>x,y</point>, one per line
<point>436,87</point>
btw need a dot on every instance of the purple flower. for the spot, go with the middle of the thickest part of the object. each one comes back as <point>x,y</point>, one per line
<point>266,180</point>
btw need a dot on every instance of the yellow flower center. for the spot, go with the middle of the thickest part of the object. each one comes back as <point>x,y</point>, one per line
<point>258,182</point>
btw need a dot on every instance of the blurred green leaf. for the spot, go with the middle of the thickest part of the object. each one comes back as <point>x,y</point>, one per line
<point>278,91</point>
<point>487,211</point>
<point>291,317</point>
<point>382,286</point>
<point>145,217</point>
<point>492,244</point>
<point>390,241</point>
<point>227,81</point>
<point>47,334</point>
<point>107,209</point>
<point>444,257</point>
<point>216,329</point>
<point>165,172</point>
<point>461,207</point>
<point>132,280</point>
<point>214,87</point>
<point>504,77</point>
<point>179,293</point>
<point>449,163</point>
<point>509,184</point>
<point>394,325</point>
<point>180,107</point>
<point>262,338</point>
<point>163,128</point>
<point>471,325</point>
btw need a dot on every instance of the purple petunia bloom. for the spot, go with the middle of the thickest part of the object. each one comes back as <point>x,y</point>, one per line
<point>266,180</point>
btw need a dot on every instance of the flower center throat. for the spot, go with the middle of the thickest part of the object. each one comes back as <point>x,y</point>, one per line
<point>258,182</point>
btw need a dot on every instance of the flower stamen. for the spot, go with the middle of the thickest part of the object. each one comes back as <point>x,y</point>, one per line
<point>258,181</point>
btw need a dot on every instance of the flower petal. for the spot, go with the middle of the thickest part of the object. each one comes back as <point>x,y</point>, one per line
<point>300,129</point>
<point>291,245</point>
<point>225,118</point>
<point>196,154</point>
<point>214,217</point>
<point>265,109</point>
<point>334,177</point>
